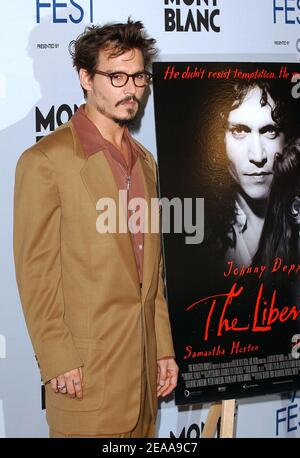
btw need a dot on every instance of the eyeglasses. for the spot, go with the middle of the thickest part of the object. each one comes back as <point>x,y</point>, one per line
<point>120,79</point>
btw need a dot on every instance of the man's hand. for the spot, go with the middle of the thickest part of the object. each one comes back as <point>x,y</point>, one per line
<point>167,373</point>
<point>69,383</point>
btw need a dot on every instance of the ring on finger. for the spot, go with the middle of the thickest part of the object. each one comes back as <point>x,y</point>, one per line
<point>61,387</point>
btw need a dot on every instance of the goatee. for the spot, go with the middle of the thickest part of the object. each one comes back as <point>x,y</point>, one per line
<point>125,122</point>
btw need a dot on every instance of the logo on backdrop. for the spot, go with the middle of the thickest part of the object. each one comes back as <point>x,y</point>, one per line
<point>194,431</point>
<point>67,11</point>
<point>287,417</point>
<point>286,12</point>
<point>47,121</point>
<point>191,15</point>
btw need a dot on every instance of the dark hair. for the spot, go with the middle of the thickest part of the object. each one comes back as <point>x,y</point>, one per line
<point>221,186</point>
<point>282,223</point>
<point>116,37</point>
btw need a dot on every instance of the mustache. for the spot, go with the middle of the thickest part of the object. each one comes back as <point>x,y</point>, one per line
<point>129,98</point>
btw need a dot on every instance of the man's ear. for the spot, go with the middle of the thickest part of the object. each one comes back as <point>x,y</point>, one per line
<point>85,79</point>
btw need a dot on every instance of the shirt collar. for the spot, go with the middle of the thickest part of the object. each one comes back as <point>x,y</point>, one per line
<point>91,138</point>
<point>240,218</point>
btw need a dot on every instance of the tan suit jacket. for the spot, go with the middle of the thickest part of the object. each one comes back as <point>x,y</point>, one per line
<point>80,289</point>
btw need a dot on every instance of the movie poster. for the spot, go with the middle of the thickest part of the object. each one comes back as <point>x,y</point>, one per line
<point>228,146</point>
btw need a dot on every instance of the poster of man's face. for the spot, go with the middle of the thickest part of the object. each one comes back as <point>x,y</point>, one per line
<point>221,129</point>
<point>252,138</point>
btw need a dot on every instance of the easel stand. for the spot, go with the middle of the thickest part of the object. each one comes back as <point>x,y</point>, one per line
<point>225,410</point>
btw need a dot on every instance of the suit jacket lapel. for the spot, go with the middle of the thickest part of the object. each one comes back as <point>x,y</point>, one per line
<point>99,181</point>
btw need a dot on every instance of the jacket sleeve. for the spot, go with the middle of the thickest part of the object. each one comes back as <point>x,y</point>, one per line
<point>37,215</point>
<point>164,342</point>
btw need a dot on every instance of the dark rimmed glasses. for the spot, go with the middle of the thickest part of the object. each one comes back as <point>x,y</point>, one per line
<point>120,79</point>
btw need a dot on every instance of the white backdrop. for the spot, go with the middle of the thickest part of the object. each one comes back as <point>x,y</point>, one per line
<point>38,91</point>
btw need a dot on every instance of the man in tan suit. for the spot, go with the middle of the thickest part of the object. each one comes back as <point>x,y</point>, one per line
<point>94,302</point>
